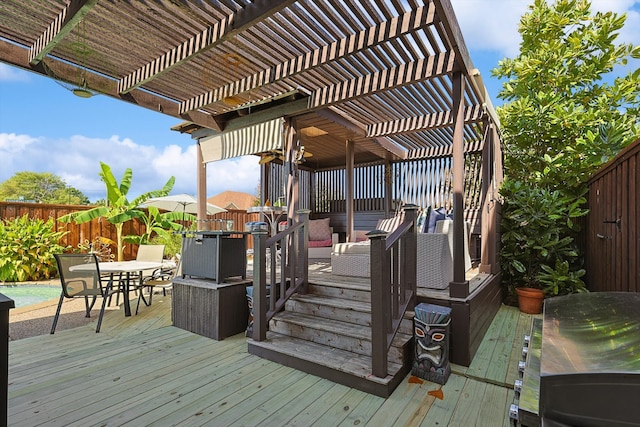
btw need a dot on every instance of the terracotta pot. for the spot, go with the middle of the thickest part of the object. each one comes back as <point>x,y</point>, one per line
<point>530,300</point>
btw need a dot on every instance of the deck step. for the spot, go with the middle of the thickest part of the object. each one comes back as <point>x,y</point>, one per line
<point>346,310</point>
<point>340,366</point>
<point>352,311</point>
<point>336,334</point>
<point>351,292</point>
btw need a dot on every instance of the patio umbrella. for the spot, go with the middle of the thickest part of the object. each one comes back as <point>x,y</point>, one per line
<point>180,202</point>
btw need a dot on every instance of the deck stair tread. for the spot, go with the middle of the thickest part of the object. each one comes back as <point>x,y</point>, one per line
<point>336,326</point>
<point>327,332</point>
<point>343,361</point>
<point>361,306</point>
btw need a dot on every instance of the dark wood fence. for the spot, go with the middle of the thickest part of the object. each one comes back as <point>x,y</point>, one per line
<point>78,233</point>
<point>612,234</point>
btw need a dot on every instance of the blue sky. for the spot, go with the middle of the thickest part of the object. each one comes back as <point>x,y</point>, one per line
<point>45,128</point>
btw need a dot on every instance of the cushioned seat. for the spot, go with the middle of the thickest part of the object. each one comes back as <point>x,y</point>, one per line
<point>434,257</point>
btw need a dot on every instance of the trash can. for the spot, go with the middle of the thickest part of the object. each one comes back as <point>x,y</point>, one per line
<point>431,333</point>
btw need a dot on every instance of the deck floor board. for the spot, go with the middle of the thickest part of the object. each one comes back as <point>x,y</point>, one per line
<point>139,370</point>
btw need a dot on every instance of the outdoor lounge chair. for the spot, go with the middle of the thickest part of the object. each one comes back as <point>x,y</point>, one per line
<point>80,278</point>
<point>159,279</point>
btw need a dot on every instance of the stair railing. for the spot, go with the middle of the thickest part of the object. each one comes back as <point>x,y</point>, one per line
<point>393,285</point>
<point>288,271</point>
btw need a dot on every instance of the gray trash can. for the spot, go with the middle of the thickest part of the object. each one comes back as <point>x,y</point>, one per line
<point>431,334</point>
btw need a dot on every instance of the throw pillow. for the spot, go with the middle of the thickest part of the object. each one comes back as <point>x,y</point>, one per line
<point>422,220</point>
<point>434,216</point>
<point>319,229</point>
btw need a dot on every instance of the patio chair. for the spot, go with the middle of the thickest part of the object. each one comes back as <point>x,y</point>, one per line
<point>80,278</point>
<point>160,279</point>
<point>153,253</point>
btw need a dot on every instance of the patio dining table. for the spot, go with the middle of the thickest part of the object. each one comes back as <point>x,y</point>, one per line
<point>126,267</point>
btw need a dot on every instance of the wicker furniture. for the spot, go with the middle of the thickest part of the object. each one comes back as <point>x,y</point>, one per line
<point>434,257</point>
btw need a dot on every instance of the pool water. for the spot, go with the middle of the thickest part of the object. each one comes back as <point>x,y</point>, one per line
<point>24,295</point>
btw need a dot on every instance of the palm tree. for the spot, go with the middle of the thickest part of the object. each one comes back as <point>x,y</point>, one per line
<point>117,209</point>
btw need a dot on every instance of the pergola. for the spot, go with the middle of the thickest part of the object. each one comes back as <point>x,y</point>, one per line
<point>356,81</point>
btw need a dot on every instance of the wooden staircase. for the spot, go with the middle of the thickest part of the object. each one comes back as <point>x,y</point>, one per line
<point>327,333</point>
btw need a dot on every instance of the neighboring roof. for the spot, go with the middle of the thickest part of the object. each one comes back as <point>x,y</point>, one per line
<point>376,72</point>
<point>233,200</point>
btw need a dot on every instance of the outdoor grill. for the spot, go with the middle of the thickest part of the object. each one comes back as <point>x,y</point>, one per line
<point>589,362</point>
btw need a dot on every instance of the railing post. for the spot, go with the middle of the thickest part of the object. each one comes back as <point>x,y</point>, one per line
<point>409,246</point>
<point>380,296</point>
<point>259,283</point>
<point>303,247</point>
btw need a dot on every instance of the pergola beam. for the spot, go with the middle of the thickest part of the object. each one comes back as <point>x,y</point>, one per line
<point>365,39</point>
<point>406,74</point>
<point>442,119</point>
<point>203,41</point>
<point>64,23</point>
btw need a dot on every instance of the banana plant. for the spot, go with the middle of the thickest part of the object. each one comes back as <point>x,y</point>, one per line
<point>117,209</point>
<point>162,224</point>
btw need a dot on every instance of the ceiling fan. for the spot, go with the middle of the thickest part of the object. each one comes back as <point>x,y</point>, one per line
<point>271,155</point>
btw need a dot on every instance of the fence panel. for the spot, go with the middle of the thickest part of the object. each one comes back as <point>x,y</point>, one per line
<point>612,234</point>
<point>78,233</point>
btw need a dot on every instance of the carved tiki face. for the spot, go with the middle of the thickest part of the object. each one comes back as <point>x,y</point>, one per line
<point>432,343</point>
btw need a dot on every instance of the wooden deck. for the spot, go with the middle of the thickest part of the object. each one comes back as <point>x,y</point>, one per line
<point>142,371</point>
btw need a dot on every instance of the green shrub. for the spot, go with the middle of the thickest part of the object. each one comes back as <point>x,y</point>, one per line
<point>172,242</point>
<point>27,247</point>
<point>538,240</point>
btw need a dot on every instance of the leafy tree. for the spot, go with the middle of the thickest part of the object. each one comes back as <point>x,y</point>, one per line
<point>43,187</point>
<point>564,118</point>
<point>118,209</point>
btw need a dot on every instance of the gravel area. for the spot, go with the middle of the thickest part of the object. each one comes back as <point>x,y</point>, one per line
<point>36,319</point>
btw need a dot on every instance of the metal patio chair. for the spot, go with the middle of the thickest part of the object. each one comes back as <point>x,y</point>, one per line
<point>80,278</point>
<point>159,279</point>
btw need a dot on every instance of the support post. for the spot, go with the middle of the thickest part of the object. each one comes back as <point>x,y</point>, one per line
<point>351,235</point>
<point>380,302</point>
<point>259,284</point>
<point>201,168</point>
<point>459,288</point>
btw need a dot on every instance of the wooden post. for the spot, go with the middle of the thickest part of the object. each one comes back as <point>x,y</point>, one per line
<point>459,288</point>
<point>351,236</point>
<point>303,215</point>
<point>488,220</point>
<point>259,284</point>
<point>380,300</point>
<point>201,223</point>
<point>409,246</point>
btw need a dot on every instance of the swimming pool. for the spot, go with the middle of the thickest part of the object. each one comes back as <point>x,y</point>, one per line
<point>24,295</point>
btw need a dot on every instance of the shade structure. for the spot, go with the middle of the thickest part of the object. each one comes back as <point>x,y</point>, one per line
<point>184,203</point>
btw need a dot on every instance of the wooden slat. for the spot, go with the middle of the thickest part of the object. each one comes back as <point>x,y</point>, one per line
<point>372,36</point>
<point>66,21</point>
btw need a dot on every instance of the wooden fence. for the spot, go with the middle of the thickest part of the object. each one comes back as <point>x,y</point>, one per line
<point>78,233</point>
<point>612,235</point>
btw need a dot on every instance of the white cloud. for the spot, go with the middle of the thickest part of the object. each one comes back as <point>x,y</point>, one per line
<point>12,74</point>
<point>77,161</point>
<point>492,25</point>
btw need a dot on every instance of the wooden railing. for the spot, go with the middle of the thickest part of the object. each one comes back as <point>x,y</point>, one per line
<point>393,285</point>
<point>287,274</point>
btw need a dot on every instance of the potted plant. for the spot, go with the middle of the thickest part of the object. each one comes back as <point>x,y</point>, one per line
<point>538,254</point>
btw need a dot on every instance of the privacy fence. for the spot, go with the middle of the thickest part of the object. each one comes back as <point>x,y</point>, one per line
<point>612,235</point>
<point>84,233</point>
